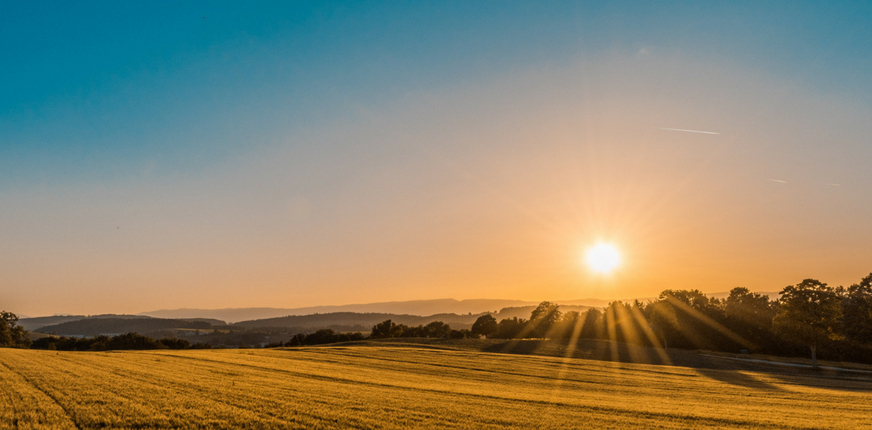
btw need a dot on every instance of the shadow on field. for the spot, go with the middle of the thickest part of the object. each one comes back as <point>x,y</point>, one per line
<point>722,369</point>
<point>735,377</point>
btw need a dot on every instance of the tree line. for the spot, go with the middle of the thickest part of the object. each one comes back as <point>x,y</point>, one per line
<point>129,341</point>
<point>811,316</point>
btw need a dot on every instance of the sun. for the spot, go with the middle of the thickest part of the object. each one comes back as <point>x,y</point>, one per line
<point>603,258</point>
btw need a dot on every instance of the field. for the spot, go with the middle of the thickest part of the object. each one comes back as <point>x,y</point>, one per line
<point>405,385</point>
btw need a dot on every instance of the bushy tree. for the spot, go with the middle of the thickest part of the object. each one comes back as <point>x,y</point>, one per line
<point>437,329</point>
<point>386,329</point>
<point>857,311</point>
<point>568,326</point>
<point>545,316</point>
<point>663,320</point>
<point>485,325</point>
<point>750,308</point>
<point>11,334</point>
<point>809,313</point>
<point>510,328</point>
<point>592,327</point>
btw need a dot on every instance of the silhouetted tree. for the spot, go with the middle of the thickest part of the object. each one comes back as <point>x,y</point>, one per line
<point>510,328</point>
<point>485,325</point>
<point>809,313</point>
<point>592,327</point>
<point>386,329</point>
<point>700,322</point>
<point>568,326</point>
<point>437,329</point>
<point>751,308</point>
<point>750,316</point>
<point>12,334</point>
<point>857,311</point>
<point>663,321</point>
<point>458,334</point>
<point>543,318</point>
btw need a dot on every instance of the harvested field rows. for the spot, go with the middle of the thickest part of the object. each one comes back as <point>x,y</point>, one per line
<point>398,387</point>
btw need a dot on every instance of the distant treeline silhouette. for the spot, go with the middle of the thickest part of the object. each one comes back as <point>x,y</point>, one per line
<point>129,341</point>
<point>382,330</point>
<point>435,329</point>
<point>104,325</point>
<point>837,322</point>
<point>320,337</point>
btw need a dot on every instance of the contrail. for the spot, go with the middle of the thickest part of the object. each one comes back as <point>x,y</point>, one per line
<point>778,180</point>
<point>689,131</point>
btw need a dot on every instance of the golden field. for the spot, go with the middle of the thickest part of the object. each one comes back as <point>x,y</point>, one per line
<point>407,386</point>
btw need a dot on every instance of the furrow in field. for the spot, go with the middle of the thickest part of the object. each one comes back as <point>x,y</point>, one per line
<point>25,406</point>
<point>177,400</point>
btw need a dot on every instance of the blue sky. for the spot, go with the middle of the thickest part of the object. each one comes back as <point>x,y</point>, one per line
<point>198,123</point>
<point>96,92</point>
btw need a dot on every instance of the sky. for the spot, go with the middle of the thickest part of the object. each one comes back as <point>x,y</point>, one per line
<point>159,155</point>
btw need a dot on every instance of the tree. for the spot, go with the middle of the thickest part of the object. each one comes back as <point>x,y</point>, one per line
<point>12,334</point>
<point>809,313</point>
<point>751,308</point>
<point>544,317</point>
<point>857,311</point>
<point>437,329</point>
<point>385,329</point>
<point>592,326</point>
<point>569,326</point>
<point>662,318</point>
<point>693,298</point>
<point>750,315</point>
<point>510,328</point>
<point>485,325</point>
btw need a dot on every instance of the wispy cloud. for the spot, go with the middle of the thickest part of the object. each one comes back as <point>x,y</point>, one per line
<point>777,180</point>
<point>688,131</point>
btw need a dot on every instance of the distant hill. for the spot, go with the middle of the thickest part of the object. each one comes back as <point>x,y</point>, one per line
<point>412,307</point>
<point>354,321</point>
<point>31,324</point>
<point>35,323</point>
<point>93,326</point>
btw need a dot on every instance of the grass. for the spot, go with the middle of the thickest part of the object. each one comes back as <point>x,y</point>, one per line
<point>408,385</point>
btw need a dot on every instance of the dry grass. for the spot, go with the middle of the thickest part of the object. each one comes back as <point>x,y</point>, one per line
<point>396,386</point>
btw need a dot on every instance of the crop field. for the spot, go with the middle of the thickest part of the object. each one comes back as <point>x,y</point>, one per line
<point>407,387</point>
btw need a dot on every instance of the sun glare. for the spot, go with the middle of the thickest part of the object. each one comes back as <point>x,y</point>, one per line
<point>603,258</point>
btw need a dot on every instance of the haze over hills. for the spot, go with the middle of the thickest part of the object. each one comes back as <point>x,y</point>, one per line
<point>411,307</point>
<point>420,308</point>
